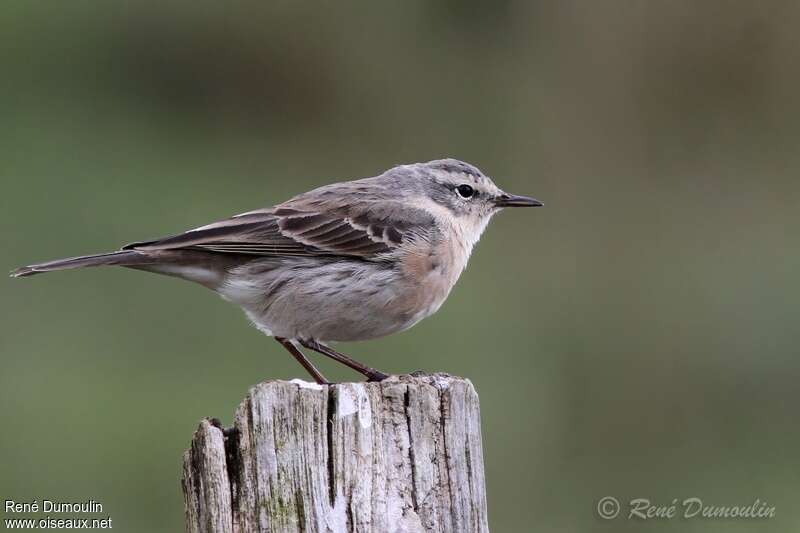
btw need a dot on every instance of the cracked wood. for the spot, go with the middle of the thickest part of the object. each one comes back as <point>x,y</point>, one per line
<point>400,456</point>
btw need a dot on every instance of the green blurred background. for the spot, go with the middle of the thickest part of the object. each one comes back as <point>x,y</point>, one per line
<point>637,337</point>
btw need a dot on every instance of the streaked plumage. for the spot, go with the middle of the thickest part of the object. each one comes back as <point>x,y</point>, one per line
<point>348,261</point>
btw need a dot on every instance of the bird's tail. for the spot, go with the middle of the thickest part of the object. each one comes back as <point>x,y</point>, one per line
<point>120,258</point>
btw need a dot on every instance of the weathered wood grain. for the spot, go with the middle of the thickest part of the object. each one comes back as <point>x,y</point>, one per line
<point>206,486</point>
<point>399,456</point>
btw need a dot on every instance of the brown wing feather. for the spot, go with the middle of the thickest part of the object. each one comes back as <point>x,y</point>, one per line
<point>352,219</point>
<point>247,234</point>
<point>288,231</point>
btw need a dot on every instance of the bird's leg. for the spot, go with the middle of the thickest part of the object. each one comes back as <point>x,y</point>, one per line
<point>370,373</point>
<point>303,360</point>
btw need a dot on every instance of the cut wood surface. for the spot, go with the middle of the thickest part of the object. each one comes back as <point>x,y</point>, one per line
<point>402,455</point>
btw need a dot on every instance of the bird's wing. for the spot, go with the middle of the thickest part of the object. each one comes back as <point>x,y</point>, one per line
<point>307,228</point>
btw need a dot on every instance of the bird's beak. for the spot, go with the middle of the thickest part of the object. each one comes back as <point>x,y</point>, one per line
<point>512,200</point>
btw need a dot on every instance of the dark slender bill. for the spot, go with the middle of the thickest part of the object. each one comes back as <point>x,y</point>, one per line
<point>513,200</point>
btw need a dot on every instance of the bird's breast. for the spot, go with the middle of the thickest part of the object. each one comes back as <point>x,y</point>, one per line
<point>430,273</point>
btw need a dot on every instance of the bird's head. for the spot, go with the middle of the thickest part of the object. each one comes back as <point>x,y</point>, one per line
<point>454,192</point>
<point>464,191</point>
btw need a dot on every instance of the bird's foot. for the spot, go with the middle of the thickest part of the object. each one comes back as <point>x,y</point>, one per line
<point>375,376</point>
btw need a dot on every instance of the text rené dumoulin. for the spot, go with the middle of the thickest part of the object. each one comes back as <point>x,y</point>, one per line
<point>51,506</point>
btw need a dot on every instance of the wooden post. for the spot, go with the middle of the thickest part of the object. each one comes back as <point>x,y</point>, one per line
<point>399,456</point>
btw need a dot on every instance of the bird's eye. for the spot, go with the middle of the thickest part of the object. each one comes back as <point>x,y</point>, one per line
<point>465,191</point>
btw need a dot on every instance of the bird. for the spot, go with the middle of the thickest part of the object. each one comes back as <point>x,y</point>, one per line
<point>349,261</point>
